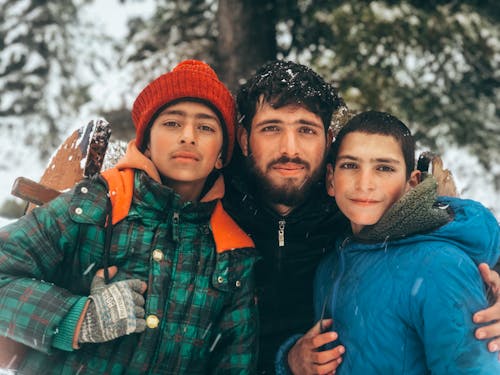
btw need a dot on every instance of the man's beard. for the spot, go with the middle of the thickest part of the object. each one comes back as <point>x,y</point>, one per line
<point>288,194</point>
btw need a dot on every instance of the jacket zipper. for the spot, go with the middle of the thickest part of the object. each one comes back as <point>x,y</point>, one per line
<point>281,233</point>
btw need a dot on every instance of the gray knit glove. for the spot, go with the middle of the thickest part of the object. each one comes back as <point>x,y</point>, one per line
<point>115,310</point>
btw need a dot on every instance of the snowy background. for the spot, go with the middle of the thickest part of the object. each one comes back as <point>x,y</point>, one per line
<point>110,16</point>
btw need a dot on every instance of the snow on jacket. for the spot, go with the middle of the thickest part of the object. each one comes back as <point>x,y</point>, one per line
<point>403,296</point>
<point>195,259</point>
<point>285,271</point>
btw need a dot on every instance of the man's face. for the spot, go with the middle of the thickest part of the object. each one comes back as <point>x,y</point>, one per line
<point>285,151</point>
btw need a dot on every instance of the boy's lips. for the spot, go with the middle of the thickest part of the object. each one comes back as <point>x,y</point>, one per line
<point>185,155</point>
<point>364,201</point>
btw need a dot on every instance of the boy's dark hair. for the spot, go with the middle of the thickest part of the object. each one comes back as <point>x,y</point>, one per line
<point>283,82</point>
<point>373,122</point>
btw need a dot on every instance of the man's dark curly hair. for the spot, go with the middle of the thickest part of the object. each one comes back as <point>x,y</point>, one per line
<point>282,83</point>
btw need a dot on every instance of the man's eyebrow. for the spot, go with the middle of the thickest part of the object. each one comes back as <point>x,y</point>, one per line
<point>310,123</point>
<point>268,122</point>
<point>299,122</point>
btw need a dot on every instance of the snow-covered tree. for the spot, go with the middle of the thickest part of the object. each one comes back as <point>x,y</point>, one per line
<point>37,76</point>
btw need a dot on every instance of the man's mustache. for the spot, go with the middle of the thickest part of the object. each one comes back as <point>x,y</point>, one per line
<point>285,159</point>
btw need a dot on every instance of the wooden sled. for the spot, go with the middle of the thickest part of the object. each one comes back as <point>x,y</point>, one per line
<point>81,155</point>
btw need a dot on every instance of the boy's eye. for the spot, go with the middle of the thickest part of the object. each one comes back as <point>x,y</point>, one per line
<point>206,128</point>
<point>171,124</point>
<point>385,168</point>
<point>349,165</point>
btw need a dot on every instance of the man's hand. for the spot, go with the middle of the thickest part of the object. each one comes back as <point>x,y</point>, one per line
<point>490,315</point>
<point>304,357</point>
<point>115,309</point>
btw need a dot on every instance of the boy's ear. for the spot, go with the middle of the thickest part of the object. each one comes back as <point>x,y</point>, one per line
<point>242,136</point>
<point>330,186</point>
<point>219,163</point>
<point>415,178</point>
<point>147,152</point>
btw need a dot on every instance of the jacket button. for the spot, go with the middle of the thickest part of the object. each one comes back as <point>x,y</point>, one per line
<point>220,279</point>
<point>238,283</point>
<point>157,255</point>
<point>78,211</point>
<point>84,190</point>
<point>152,321</point>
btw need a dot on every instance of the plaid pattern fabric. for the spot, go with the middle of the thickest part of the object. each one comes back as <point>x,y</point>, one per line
<point>204,301</point>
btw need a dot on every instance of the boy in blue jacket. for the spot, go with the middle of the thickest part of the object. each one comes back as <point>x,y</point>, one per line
<point>402,288</point>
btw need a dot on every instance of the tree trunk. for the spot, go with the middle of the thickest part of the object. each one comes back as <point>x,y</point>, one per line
<point>246,39</point>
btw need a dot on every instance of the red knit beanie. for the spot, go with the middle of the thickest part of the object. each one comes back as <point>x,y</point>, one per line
<point>189,79</point>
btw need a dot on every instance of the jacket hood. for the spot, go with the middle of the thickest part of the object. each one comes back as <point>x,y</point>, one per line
<point>414,212</point>
<point>120,181</point>
<point>473,229</point>
<point>135,159</point>
<point>422,216</point>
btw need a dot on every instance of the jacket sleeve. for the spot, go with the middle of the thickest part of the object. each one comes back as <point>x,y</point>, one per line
<point>235,347</point>
<point>444,299</point>
<point>32,307</point>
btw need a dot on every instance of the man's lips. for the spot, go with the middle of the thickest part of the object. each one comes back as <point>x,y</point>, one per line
<point>288,168</point>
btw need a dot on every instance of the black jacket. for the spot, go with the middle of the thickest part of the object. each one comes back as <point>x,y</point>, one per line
<point>286,270</point>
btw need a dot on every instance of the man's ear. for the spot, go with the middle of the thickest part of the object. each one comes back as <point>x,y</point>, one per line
<point>329,137</point>
<point>330,186</point>
<point>242,135</point>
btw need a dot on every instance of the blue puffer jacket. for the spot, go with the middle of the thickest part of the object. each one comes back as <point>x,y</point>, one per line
<point>403,296</point>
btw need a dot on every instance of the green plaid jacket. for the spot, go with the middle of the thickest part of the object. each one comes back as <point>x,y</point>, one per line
<point>204,300</point>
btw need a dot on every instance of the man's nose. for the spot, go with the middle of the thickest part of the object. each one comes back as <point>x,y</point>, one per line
<point>288,143</point>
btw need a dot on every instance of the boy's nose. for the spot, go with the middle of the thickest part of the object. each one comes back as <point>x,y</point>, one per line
<point>364,180</point>
<point>188,134</point>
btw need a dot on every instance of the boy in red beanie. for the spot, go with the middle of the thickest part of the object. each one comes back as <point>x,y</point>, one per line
<point>178,297</point>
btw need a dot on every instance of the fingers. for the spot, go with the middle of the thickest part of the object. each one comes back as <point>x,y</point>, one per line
<point>138,299</point>
<point>139,312</point>
<point>98,281</point>
<point>328,356</point>
<point>140,325</point>
<point>111,271</point>
<point>489,331</point>
<point>325,338</point>
<point>137,285</point>
<point>490,314</point>
<point>319,327</point>
<point>328,368</point>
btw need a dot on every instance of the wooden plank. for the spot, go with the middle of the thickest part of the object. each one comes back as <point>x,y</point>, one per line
<point>32,191</point>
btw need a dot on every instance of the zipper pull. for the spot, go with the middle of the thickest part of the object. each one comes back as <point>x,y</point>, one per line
<point>281,233</point>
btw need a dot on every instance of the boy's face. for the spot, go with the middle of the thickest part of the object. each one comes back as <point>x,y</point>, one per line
<point>286,147</point>
<point>369,176</point>
<point>185,144</point>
